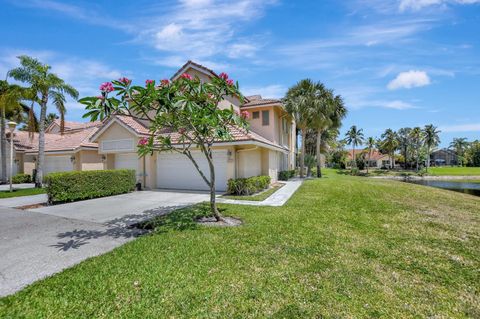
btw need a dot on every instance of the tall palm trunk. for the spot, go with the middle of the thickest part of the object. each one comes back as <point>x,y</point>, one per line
<point>318,154</point>
<point>428,157</point>
<point>354,161</point>
<point>369,158</point>
<point>302,154</point>
<point>41,140</point>
<point>3,147</point>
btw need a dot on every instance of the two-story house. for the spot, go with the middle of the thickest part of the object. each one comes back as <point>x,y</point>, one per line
<point>266,148</point>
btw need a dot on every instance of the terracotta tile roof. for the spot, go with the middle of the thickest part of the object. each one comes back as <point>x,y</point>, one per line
<point>194,64</point>
<point>70,125</point>
<point>238,134</point>
<point>375,156</point>
<point>55,142</point>
<point>259,101</point>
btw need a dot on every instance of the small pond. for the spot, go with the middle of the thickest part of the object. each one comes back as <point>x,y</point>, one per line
<point>472,188</point>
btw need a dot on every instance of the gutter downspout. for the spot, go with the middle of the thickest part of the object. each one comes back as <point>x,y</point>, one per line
<point>237,158</point>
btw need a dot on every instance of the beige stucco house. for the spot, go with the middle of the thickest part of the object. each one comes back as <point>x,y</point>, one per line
<point>265,149</point>
<point>63,152</point>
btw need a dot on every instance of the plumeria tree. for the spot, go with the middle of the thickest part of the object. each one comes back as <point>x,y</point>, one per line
<point>184,116</point>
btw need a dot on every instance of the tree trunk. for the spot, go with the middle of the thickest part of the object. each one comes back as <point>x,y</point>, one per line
<point>302,154</point>
<point>319,154</point>
<point>354,160</point>
<point>428,157</point>
<point>213,202</point>
<point>369,158</point>
<point>41,140</point>
<point>3,147</point>
<point>405,157</point>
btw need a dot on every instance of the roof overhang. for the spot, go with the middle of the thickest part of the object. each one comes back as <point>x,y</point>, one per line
<point>112,120</point>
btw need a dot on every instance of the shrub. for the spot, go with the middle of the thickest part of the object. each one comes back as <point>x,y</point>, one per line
<point>286,175</point>
<point>78,185</point>
<point>248,186</point>
<point>21,178</point>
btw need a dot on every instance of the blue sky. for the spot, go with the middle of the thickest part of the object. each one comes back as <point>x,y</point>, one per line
<point>397,63</point>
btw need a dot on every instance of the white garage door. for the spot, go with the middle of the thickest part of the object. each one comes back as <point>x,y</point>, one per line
<point>126,161</point>
<point>176,171</point>
<point>57,164</point>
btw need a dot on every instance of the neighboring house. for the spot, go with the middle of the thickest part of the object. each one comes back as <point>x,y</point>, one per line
<point>265,149</point>
<point>377,159</point>
<point>70,127</point>
<point>70,151</point>
<point>444,157</point>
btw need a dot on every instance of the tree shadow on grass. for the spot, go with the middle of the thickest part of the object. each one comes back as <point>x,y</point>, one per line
<point>160,219</point>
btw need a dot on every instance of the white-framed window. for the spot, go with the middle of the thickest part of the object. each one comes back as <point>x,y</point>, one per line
<point>118,145</point>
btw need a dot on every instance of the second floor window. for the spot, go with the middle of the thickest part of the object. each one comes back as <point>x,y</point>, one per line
<point>265,118</point>
<point>256,115</point>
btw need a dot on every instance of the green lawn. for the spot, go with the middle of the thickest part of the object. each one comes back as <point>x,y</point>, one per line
<point>257,197</point>
<point>342,247</point>
<point>454,171</point>
<point>21,192</point>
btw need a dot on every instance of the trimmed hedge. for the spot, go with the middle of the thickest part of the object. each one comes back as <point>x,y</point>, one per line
<point>78,185</point>
<point>248,186</point>
<point>21,178</point>
<point>286,175</point>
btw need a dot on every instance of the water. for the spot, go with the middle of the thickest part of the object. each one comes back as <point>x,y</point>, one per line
<point>462,187</point>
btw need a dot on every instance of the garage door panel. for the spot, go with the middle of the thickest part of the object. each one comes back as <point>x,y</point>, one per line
<point>176,171</point>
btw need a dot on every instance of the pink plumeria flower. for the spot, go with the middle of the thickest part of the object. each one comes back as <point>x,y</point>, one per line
<point>143,141</point>
<point>125,80</point>
<point>245,114</point>
<point>186,76</point>
<point>147,82</point>
<point>106,87</point>
<point>223,76</point>
<point>230,82</point>
<point>165,82</point>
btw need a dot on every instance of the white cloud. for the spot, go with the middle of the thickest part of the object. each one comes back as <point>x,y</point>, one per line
<point>269,91</point>
<point>397,105</point>
<point>202,29</point>
<point>416,5</point>
<point>473,127</point>
<point>409,79</point>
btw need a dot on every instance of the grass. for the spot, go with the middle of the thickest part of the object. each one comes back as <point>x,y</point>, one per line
<point>454,171</point>
<point>257,197</point>
<point>22,192</point>
<point>342,247</point>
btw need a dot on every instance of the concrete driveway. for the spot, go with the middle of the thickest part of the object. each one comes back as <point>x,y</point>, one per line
<point>40,242</point>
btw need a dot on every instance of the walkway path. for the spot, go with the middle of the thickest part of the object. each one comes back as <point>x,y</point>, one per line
<point>279,198</point>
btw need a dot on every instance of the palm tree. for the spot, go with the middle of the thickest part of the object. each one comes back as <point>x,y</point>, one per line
<point>390,144</point>
<point>354,137</point>
<point>298,103</point>
<point>327,113</point>
<point>416,137</point>
<point>51,117</point>
<point>432,139</point>
<point>370,147</point>
<point>459,145</point>
<point>11,106</point>
<point>404,143</point>
<point>46,85</point>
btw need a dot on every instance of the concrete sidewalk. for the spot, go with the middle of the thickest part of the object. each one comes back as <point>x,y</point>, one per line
<point>23,200</point>
<point>279,198</point>
<point>6,187</point>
